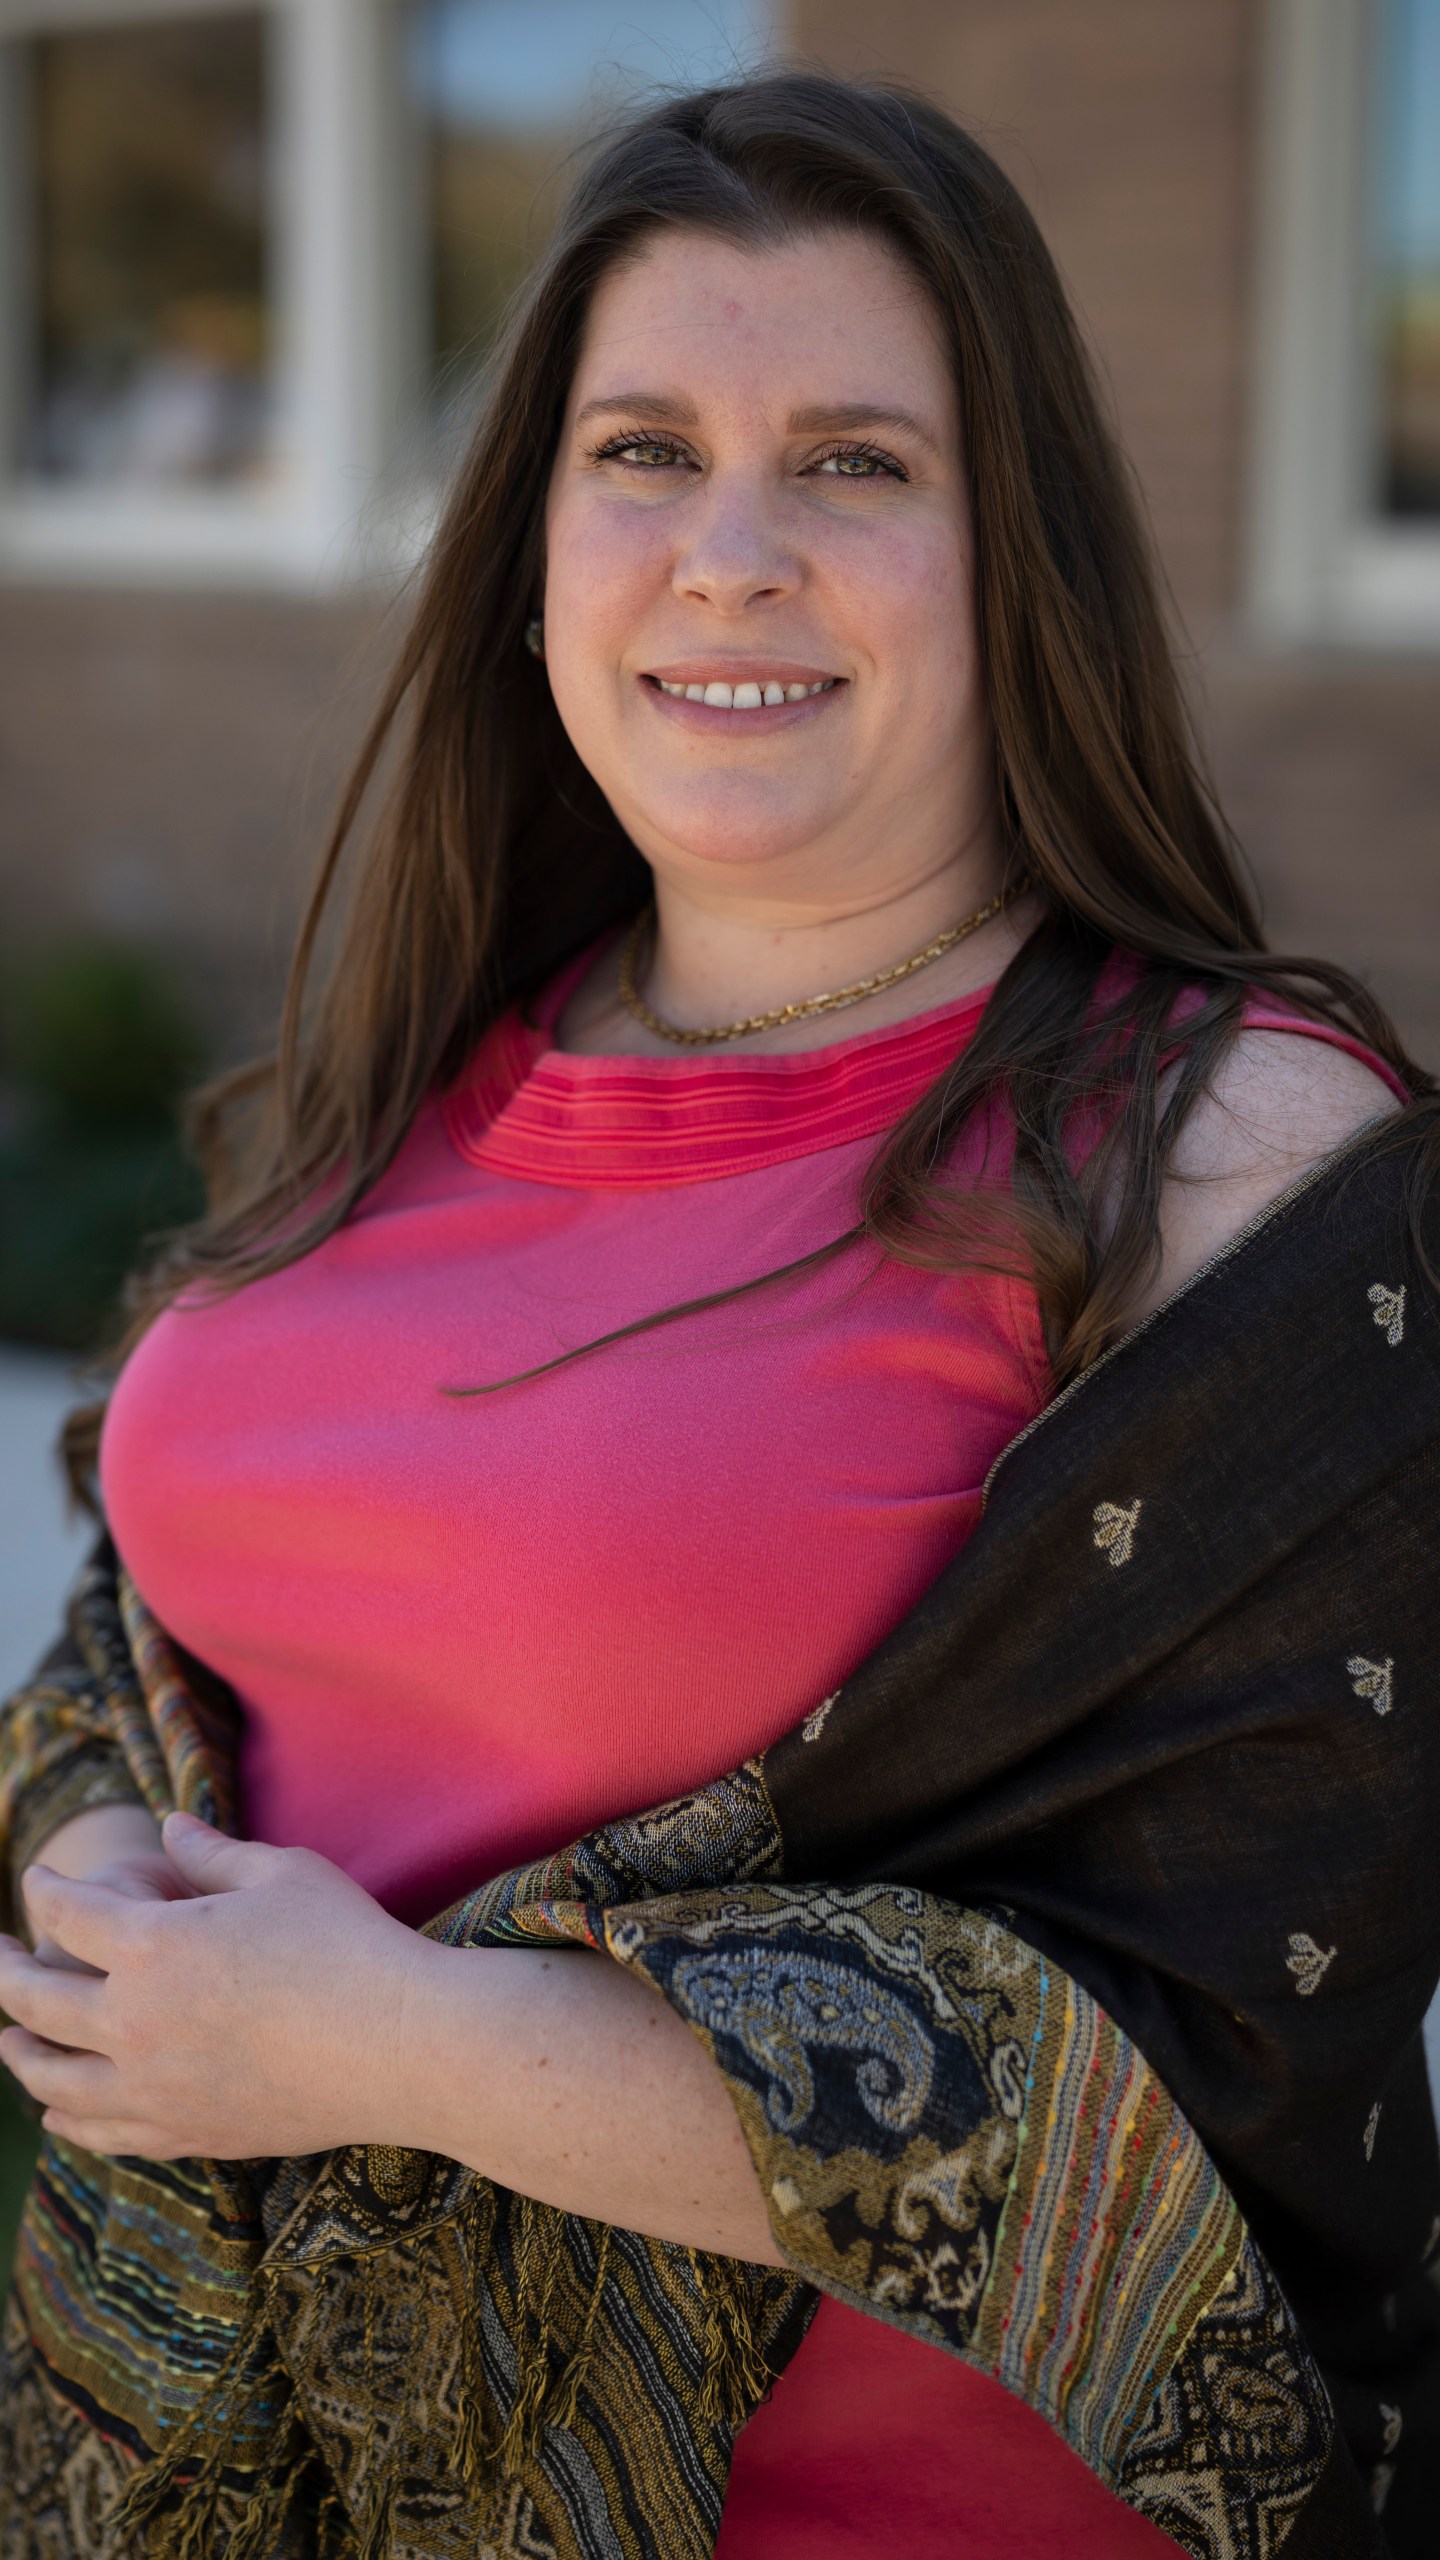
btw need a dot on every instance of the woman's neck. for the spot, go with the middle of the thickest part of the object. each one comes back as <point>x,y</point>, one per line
<point>719,959</point>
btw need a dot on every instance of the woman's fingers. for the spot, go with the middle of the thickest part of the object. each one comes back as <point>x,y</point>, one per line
<point>87,1920</point>
<point>117,2140</point>
<point>46,1952</point>
<point>84,2084</point>
<point>52,2000</point>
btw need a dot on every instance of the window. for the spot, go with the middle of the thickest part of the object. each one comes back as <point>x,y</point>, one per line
<point>1405,262</point>
<point>201,290</point>
<point>504,88</point>
<point>1346,526</point>
<point>246,246</point>
<point>152,348</point>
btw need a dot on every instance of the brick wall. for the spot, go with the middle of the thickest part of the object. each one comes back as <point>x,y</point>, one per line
<point>1330,768</point>
<point>166,765</point>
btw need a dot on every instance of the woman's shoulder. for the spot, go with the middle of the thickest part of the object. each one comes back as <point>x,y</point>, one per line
<point>1285,1095</point>
<point>1286,1092</point>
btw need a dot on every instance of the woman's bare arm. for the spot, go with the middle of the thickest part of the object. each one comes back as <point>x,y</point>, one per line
<point>573,2081</point>
<point>100,1838</point>
<point>1279,1102</point>
<point>278,2009</point>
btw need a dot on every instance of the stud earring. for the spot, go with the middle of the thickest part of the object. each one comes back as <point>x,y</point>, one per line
<point>535,636</point>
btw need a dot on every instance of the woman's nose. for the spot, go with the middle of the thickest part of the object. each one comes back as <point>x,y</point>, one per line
<point>735,553</point>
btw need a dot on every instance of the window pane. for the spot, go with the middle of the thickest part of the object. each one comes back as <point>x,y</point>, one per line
<point>152,357</point>
<point>505,87</point>
<point>1408,258</point>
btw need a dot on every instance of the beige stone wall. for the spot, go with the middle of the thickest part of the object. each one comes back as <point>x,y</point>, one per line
<point>165,761</point>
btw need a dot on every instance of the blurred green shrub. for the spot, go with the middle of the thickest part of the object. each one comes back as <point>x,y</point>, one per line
<point>99,1031</point>
<point>96,1049</point>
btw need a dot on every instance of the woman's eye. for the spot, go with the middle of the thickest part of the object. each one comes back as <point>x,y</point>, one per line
<point>859,463</point>
<point>647,453</point>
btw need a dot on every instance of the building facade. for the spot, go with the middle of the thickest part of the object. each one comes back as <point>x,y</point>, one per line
<point>249,255</point>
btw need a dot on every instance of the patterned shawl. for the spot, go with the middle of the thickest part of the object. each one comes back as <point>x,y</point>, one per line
<point>1095,2059</point>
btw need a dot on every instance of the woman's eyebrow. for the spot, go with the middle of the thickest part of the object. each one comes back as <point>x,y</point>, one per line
<point>824,418</point>
<point>851,414</point>
<point>667,411</point>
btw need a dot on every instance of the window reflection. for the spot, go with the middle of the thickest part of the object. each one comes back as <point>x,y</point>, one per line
<point>152,356</point>
<point>505,88</point>
<point>1408,258</point>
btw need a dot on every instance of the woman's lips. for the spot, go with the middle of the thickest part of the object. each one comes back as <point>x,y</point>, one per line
<point>735,705</point>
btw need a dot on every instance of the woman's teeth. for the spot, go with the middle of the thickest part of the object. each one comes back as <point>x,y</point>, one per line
<point>745,697</point>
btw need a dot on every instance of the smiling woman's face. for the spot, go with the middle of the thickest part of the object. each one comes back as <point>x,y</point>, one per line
<point>759,621</point>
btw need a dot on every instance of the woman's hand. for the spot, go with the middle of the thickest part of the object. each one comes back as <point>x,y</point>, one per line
<point>217,1998</point>
<point>141,1875</point>
<point>276,2008</point>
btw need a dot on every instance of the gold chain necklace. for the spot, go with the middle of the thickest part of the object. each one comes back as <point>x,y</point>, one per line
<point>635,1004</point>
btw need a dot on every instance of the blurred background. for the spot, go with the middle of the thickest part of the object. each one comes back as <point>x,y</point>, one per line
<point>251,259</point>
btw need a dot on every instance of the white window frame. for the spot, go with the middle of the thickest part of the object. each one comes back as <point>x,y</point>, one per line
<point>343,300</point>
<point>1324,566</point>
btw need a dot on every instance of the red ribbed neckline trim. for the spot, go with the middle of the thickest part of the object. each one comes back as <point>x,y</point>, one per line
<point>615,1123</point>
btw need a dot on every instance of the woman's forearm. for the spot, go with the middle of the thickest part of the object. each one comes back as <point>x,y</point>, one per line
<point>274,2007</point>
<point>562,2076</point>
<point>95,1839</point>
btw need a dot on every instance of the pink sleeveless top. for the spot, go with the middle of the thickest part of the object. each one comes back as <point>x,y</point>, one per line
<point>463,1629</point>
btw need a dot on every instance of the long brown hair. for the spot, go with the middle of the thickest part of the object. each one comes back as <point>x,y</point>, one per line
<point>492,854</point>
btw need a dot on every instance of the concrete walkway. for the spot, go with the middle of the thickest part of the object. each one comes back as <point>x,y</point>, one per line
<point>39,1547</point>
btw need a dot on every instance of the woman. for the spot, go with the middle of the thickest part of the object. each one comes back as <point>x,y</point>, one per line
<point>793,584</point>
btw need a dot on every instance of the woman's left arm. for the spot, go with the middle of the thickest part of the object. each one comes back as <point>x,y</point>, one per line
<point>282,2011</point>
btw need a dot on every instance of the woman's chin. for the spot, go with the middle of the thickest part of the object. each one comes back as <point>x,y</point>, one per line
<point>730,829</point>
